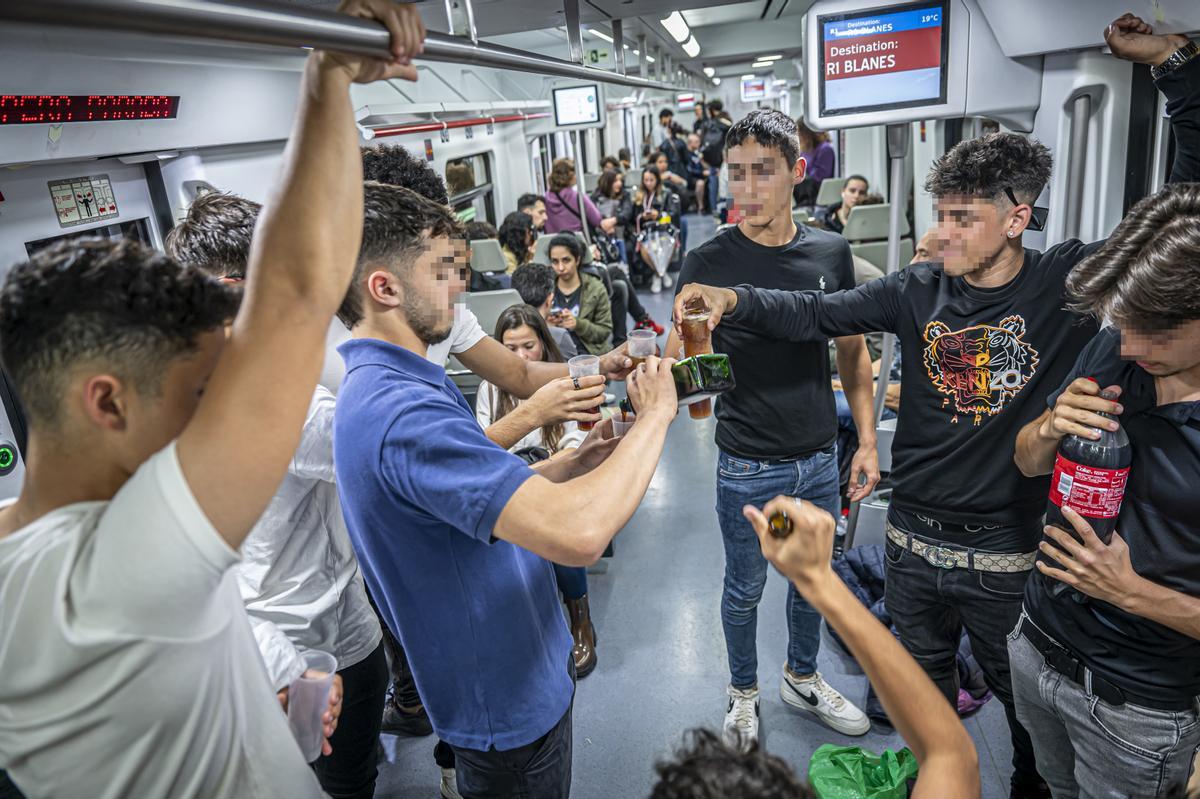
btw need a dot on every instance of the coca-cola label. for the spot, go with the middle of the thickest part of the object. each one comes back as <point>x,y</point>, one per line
<point>1089,491</point>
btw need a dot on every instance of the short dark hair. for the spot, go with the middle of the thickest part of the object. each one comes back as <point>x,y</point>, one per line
<point>715,106</point>
<point>985,167</point>
<point>396,166</point>
<point>666,112</point>
<point>770,128</point>
<point>117,303</point>
<point>533,282</point>
<point>395,222</point>
<point>215,235</point>
<point>623,154</point>
<point>866,182</point>
<point>610,160</point>
<point>708,768</point>
<point>1144,276</point>
<point>479,229</point>
<point>571,242</point>
<point>529,200</point>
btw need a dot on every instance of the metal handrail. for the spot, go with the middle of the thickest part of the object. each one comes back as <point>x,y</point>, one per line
<point>291,26</point>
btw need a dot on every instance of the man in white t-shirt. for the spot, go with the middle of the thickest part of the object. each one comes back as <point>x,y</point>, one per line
<point>130,668</point>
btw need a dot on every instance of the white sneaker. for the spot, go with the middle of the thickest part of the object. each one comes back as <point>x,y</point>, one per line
<point>656,285</point>
<point>450,784</point>
<point>741,717</point>
<point>668,281</point>
<point>823,700</point>
<point>609,399</point>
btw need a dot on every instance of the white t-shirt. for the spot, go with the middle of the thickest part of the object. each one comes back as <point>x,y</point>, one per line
<point>485,402</point>
<point>298,576</point>
<point>465,334</point>
<point>127,665</point>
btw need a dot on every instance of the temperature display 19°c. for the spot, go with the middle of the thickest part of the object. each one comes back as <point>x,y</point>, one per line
<point>33,109</point>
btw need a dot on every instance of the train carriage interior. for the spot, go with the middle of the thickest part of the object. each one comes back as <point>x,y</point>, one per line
<point>117,115</point>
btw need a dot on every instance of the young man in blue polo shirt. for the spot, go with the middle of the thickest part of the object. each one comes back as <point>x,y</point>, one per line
<point>455,535</point>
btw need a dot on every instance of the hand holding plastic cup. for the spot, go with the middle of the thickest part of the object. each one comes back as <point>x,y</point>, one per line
<point>641,346</point>
<point>308,699</point>
<point>583,366</point>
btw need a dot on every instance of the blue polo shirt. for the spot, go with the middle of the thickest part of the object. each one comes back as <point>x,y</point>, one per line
<point>421,489</point>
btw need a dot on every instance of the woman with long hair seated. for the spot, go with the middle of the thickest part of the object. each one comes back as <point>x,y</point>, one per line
<point>522,330</point>
<point>516,240</point>
<point>581,305</point>
<point>650,202</point>
<point>613,200</point>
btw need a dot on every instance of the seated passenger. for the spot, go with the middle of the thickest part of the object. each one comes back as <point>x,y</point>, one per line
<point>155,443</point>
<point>516,239</point>
<point>834,217</point>
<point>562,203</point>
<point>523,330</point>
<point>949,765</point>
<point>697,171</point>
<point>298,576</point>
<point>479,230</point>
<point>611,162</point>
<point>625,158</point>
<point>531,204</point>
<point>581,305</point>
<point>452,531</point>
<point>535,283</point>
<point>651,202</point>
<point>678,185</point>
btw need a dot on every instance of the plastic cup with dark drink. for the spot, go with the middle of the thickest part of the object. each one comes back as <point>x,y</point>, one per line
<point>584,366</point>
<point>641,346</point>
<point>697,340</point>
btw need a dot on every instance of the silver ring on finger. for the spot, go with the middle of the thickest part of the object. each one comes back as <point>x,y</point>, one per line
<point>575,380</point>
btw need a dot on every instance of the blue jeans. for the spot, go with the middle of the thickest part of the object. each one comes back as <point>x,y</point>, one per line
<point>712,187</point>
<point>1087,747</point>
<point>571,580</point>
<point>846,418</point>
<point>743,482</point>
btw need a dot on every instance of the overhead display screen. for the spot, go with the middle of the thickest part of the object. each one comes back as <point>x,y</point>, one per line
<point>754,89</point>
<point>577,105</point>
<point>891,57</point>
<point>32,109</point>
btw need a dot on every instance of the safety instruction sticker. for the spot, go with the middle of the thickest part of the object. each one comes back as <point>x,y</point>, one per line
<point>78,201</point>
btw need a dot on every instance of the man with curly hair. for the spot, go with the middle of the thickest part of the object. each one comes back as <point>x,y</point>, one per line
<point>985,339</point>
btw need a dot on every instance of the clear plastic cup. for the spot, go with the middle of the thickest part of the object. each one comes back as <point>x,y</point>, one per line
<point>641,346</point>
<point>620,427</point>
<point>308,699</point>
<point>583,366</point>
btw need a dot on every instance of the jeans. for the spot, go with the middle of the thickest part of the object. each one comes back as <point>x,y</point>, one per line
<point>712,187</point>
<point>846,418</point>
<point>748,482</point>
<point>572,581</point>
<point>350,771</point>
<point>1087,747</point>
<point>930,607</point>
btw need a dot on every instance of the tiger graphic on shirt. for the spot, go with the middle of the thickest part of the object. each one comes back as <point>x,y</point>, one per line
<point>980,367</point>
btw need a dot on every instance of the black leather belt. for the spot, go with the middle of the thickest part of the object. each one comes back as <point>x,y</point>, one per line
<point>1065,663</point>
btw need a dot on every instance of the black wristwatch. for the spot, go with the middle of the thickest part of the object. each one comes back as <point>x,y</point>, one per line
<point>1175,60</point>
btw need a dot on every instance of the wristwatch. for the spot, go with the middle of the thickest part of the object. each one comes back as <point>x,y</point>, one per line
<point>1175,60</point>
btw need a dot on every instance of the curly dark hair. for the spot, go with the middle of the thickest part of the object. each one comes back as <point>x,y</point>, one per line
<point>534,282</point>
<point>117,304</point>
<point>1144,277</point>
<point>571,242</point>
<point>479,229</point>
<point>770,128</point>
<point>396,166</point>
<point>395,224</point>
<point>985,167</point>
<point>708,768</point>
<point>516,233</point>
<point>215,235</point>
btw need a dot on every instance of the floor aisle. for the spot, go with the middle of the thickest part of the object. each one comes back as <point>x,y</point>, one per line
<point>662,665</point>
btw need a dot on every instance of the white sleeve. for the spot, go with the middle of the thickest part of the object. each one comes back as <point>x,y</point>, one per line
<point>483,404</point>
<point>154,563</point>
<point>466,332</point>
<point>314,455</point>
<point>279,654</point>
<point>572,436</point>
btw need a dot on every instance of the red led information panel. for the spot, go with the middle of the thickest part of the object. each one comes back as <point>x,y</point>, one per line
<point>32,109</point>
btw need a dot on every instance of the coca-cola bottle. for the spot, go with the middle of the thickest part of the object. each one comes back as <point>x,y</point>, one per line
<point>1089,478</point>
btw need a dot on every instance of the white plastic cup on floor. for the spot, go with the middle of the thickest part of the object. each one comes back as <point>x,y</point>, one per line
<point>308,699</point>
<point>621,428</point>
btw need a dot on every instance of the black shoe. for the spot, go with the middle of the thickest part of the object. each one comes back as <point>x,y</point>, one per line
<point>398,722</point>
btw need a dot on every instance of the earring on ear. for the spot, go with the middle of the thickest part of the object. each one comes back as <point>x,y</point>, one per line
<point>1011,234</point>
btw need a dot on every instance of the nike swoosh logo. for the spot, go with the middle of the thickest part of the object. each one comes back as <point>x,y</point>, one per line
<point>811,700</point>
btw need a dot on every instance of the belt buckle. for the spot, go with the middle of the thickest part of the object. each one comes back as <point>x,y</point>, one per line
<point>941,557</point>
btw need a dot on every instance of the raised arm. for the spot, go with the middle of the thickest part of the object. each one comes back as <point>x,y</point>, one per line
<point>926,721</point>
<point>245,431</point>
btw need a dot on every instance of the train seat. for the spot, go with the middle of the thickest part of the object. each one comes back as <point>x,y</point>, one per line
<point>486,256</point>
<point>830,191</point>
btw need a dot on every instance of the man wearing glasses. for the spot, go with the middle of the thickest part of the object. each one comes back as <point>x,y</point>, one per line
<point>985,338</point>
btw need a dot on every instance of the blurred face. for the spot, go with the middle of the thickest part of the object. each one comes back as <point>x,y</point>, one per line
<point>524,342</point>
<point>761,182</point>
<point>693,142</point>
<point>970,233</point>
<point>564,263</point>
<point>661,163</point>
<point>853,192</point>
<point>537,212</point>
<point>665,120</point>
<point>925,250</point>
<point>1163,352</point>
<point>618,187</point>
<point>432,285</point>
<point>649,181</point>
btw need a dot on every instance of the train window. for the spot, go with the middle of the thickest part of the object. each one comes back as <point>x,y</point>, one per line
<point>136,229</point>
<point>469,184</point>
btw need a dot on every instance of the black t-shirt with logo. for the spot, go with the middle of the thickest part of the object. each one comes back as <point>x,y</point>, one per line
<point>1159,522</point>
<point>782,406</point>
<point>977,365</point>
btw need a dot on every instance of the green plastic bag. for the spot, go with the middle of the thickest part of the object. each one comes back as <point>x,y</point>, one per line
<point>850,772</point>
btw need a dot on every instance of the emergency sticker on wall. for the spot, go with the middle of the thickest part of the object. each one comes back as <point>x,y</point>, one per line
<point>78,201</point>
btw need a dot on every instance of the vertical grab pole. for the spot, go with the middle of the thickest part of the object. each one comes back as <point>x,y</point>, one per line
<point>1081,110</point>
<point>583,223</point>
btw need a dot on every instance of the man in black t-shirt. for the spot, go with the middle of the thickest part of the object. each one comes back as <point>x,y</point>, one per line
<point>777,430</point>
<point>985,338</point>
<point>1124,720</point>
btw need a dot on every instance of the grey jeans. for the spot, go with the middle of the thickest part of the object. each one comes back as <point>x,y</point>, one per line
<point>1087,747</point>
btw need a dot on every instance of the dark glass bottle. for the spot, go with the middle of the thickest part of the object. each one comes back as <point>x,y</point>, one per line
<point>702,377</point>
